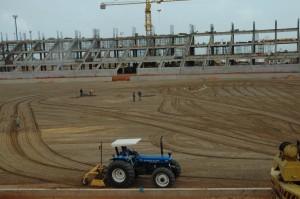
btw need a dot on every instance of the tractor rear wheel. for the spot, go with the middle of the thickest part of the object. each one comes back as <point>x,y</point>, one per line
<point>163,178</point>
<point>175,168</point>
<point>120,174</point>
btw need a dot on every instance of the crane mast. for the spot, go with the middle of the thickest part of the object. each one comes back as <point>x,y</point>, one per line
<point>148,18</point>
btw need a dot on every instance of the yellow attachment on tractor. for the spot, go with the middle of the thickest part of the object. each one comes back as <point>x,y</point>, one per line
<point>99,174</point>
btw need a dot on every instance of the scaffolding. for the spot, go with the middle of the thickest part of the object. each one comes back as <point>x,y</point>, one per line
<point>126,54</point>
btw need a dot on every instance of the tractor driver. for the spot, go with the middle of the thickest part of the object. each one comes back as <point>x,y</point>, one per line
<point>127,152</point>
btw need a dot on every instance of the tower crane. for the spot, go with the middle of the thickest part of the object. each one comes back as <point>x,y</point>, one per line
<point>148,18</point>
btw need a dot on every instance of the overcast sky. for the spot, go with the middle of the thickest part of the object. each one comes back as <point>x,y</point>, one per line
<point>66,16</point>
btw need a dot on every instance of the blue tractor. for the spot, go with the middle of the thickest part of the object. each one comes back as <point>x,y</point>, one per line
<point>128,164</point>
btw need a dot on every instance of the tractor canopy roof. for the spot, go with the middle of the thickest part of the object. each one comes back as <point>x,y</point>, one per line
<point>125,142</point>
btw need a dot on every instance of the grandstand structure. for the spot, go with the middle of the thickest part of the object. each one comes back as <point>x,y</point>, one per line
<point>121,55</point>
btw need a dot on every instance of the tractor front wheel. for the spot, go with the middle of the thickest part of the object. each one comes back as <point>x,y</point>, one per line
<point>175,166</point>
<point>120,174</point>
<point>163,178</point>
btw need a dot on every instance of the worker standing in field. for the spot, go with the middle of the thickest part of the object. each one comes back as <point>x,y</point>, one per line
<point>140,95</point>
<point>81,92</point>
<point>133,96</point>
<point>17,122</point>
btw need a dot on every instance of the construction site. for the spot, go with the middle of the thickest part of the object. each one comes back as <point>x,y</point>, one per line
<point>150,54</point>
<point>211,109</point>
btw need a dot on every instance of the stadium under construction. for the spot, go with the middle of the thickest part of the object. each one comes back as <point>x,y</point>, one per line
<point>69,57</point>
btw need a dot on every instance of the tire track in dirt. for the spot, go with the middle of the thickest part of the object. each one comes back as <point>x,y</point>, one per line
<point>267,103</point>
<point>19,155</point>
<point>271,136</point>
<point>231,129</point>
<point>242,126</point>
<point>31,145</point>
<point>172,126</point>
<point>194,111</point>
<point>276,100</point>
<point>44,149</point>
<point>260,112</point>
<point>283,96</point>
<point>10,152</point>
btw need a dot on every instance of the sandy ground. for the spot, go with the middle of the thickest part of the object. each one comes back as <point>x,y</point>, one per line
<point>224,133</point>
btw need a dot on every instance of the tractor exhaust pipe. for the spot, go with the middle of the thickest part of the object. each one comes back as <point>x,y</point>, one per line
<point>298,146</point>
<point>161,146</point>
<point>100,148</point>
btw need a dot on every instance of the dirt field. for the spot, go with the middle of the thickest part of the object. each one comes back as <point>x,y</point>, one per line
<point>224,133</point>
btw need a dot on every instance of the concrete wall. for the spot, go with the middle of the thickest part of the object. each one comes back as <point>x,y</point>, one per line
<point>211,72</point>
<point>215,76</point>
<point>56,80</point>
<point>265,71</point>
<point>237,193</point>
<point>59,73</point>
<point>220,69</point>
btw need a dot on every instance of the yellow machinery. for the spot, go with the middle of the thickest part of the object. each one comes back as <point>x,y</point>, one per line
<point>98,173</point>
<point>285,172</point>
<point>148,18</point>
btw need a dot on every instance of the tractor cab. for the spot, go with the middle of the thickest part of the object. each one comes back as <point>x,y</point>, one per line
<point>122,152</point>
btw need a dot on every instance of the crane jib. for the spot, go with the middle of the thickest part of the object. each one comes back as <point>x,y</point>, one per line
<point>148,18</point>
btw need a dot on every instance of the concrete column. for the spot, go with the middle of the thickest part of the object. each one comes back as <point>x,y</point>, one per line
<point>298,32</point>
<point>232,38</point>
<point>229,61</point>
<point>275,41</point>
<point>211,42</point>
<point>44,48</point>
<point>172,51</point>
<point>253,43</point>
<point>80,53</point>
